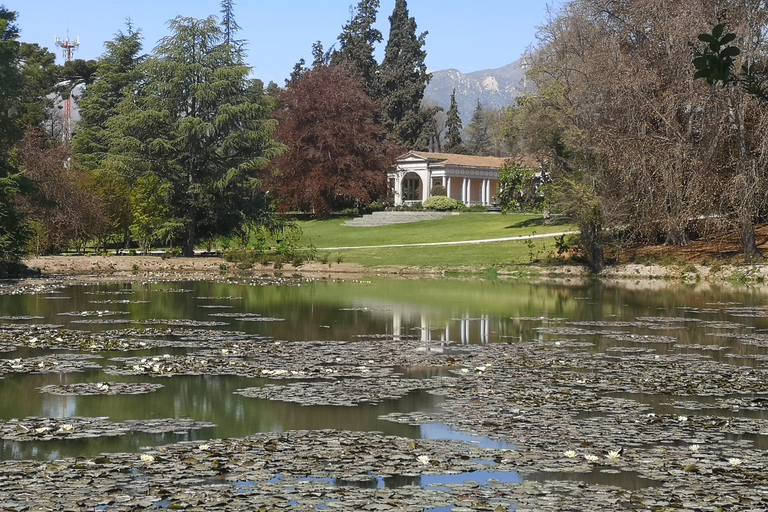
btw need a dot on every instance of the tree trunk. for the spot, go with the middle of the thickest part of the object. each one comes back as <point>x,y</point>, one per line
<point>189,240</point>
<point>749,240</point>
<point>592,243</point>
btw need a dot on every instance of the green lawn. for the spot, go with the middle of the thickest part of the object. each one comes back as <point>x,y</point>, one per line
<point>473,226</point>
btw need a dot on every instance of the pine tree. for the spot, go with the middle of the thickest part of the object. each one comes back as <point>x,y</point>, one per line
<point>357,41</point>
<point>402,79</point>
<point>230,26</point>
<point>13,234</point>
<point>203,127</point>
<point>453,142</point>
<point>478,132</point>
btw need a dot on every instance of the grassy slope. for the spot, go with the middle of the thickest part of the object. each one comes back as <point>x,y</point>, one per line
<point>333,233</point>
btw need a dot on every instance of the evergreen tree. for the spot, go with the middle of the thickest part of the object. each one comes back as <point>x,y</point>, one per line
<point>202,126</point>
<point>479,132</point>
<point>117,75</point>
<point>356,42</point>
<point>40,76</point>
<point>402,79</point>
<point>453,142</point>
<point>13,233</point>
<point>231,27</point>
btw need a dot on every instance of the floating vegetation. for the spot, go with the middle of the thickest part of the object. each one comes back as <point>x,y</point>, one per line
<point>105,312</point>
<point>75,427</point>
<point>59,363</point>
<point>101,388</point>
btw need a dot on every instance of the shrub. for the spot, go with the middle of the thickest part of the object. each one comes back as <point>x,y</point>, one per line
<point>442,204</point>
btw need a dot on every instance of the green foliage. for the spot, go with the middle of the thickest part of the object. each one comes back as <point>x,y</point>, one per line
<point>402,79</point>
<point>478,132</point>
<point>716,59</point>
<point>521,188</point>
<point>152,219</point>
<point>202,125</point>
<point>356,44</point>
<point>442,204</point>
<point>453,142</point>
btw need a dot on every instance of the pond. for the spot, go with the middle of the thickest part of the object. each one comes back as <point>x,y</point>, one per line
<point>533,379</point>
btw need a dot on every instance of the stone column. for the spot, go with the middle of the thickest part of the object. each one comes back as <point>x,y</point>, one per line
<point>448,186</point>
<point>399,189</point>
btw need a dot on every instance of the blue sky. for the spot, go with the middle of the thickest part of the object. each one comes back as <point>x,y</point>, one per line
<point>468,35</point>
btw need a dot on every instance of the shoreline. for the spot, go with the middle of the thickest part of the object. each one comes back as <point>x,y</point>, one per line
<point>72,270</point>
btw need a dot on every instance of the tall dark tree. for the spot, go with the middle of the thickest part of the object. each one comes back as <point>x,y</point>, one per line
<point>117,74</point>
<point>479,132</point>
<point>356,44</point>
<point>453,126</point>
<point>402,79</point>
<point>40,76</point>
<point>202,125</point>
<point>13,233</point>
<point>231,28</point>
<point>337,155</point>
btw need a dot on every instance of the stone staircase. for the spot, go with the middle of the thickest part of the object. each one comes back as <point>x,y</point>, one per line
<point>386,218</point>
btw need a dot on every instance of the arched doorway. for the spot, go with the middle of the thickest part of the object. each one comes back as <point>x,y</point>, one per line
<point>411,187</point>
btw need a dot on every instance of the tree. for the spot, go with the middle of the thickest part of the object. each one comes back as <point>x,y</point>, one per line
<point>453,142</point>
<point>356,44</point>
<point>231,28</point>
<point>62,210</point>
<point>402,79</point>
<point>478,132</point>
<point>337,157</point>
<point>201,124</point>
<point>116,76</point>
<point>40,76</point>
<point>13,232</point>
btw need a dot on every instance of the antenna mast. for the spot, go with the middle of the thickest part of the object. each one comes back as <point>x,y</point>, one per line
<point>68,48</point>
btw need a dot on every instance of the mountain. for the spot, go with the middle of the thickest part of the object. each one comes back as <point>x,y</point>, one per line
<point>495,88</point>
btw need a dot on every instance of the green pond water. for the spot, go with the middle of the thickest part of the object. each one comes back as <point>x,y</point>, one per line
<point>452,311</point>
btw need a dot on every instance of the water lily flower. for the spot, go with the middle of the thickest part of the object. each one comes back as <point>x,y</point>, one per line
<point>693,448</point>
<point>591,458</point>
<point>682,419</point>
<point>67,427</point>
<point>570,454</point>
<point>145,457</point>
<point>480,368</point>
<point>614,454</point>
<point>465,370</point>
<point>734,462</point>
<point>423,459</point>
<point>42,430</point>
<point>204,447</point>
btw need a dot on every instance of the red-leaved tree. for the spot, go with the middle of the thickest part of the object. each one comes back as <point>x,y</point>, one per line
<point>338,156</point>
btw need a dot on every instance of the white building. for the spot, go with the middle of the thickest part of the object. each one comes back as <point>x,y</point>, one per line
<point>469,179</point>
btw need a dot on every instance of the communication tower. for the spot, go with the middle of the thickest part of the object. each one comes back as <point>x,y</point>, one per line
<point>68,48</point>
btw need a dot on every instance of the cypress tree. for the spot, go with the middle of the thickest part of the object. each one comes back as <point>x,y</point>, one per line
<point>478,132</point>
<point>356,44</point>
<point>453,142</point>
<point>402,79</point>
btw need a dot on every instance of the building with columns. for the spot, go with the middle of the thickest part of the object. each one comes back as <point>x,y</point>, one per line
<point>469,179</point>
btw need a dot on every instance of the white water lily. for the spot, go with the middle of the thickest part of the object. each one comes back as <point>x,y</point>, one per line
<point>734,462</point>
<point>42,430</point>
<point>682,419</point>
<point>480,368</point>
<point>614,454</point>
<point>465,370</point>
<point>147,458</point>
<point>693,448</point>
<point>570,454</point>
<point>67,427</point>
<point>204,447</point>
<point>423,459</point>
<point>591,458</point>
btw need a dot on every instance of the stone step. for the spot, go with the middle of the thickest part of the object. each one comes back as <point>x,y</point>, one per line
<point>386,218</point>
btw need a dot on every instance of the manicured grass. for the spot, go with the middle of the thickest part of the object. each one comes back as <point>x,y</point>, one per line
<point>476,226</point>
<point>495,254</point>
<point>471,226</point>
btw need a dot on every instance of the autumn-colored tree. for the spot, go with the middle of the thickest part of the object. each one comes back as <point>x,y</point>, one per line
<point>62,210</point>
<point>337,156</point>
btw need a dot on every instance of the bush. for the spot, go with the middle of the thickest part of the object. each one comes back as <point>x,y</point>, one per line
<point>442,204</point>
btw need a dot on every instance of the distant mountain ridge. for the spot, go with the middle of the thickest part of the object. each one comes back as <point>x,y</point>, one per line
<point>495,88</point>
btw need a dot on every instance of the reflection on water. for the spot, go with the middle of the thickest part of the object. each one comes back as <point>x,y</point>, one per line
<point>443,312</point>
